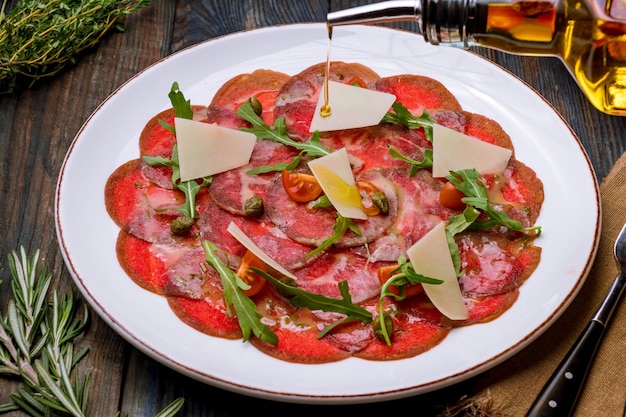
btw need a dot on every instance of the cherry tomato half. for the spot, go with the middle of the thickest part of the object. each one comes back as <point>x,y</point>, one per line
<point>301,187</point>
<point>367,189</point>
<point>450,197</point>
<point>386,272</point>
<point>357,81</point>
<point>254,280</point>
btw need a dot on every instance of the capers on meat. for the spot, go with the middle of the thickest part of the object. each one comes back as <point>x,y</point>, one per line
<point>181,225</point>
<point>377,325</point>
<point>256,105</point>
<point>379,199</point>
<point>254,207</point>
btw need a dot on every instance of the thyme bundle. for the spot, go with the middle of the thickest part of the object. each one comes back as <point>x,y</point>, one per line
<point>37,344</point>
<point>38,39</point>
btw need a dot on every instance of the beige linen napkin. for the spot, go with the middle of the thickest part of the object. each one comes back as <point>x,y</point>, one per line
<point>509,389</point>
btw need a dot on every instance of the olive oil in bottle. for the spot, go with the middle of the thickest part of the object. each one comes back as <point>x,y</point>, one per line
<point>589,36</point>
<point>326,111</point>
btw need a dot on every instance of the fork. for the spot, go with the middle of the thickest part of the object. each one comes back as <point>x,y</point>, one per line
<point>560,393</point>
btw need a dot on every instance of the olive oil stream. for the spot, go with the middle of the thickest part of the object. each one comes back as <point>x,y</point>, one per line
<point>326,111</point>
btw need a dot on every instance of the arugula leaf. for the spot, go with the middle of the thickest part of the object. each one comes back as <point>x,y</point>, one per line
<point>182,107</point>
<point>301,298</point>
<point>244,308</point>
<point>191,188</point>
<point>280,166</point>
<point>471,183</point>
<point>402,116</point>
<point>415,165</point>
<point>341,226</point>
<point>320,202</point>
<point>313,147</point>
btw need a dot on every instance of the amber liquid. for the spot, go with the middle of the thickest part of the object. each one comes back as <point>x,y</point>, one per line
<point>326,111</point>
<point>589,36</point>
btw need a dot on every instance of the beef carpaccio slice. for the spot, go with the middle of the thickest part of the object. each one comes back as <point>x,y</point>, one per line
<point>142,201</point>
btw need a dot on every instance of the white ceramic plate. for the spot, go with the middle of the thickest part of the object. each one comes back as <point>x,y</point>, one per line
<point>570,217</point>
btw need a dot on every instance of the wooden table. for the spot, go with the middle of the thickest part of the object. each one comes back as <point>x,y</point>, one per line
<point>38,125</point>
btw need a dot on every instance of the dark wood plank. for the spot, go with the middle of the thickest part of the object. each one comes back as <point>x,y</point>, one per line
<point>37,128</point>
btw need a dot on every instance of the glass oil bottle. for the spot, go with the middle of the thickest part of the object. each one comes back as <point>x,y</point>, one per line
<point>589,36</point>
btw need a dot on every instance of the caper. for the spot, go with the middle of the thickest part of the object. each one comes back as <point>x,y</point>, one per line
<point>181,225</point>
<point>379,199</point>
<point>253,206</point>
<point>256,105</point>
<point>378,331</point>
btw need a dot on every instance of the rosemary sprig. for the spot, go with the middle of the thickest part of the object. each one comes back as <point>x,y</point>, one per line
<point>38,39</point>
<point>37,344</point>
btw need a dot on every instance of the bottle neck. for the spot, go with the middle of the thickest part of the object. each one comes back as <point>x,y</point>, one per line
<point>448,21</point>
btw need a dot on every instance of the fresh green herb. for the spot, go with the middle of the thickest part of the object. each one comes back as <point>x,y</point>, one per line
<point>244,308</point>
<point>38,39</point>
<point>182,106</point>
<point>320,202</point>
<point>313,147</point>
<point>301,298</point>
<point>402,116</point>
<point>191,188</point>
<point>471,183</point>
<point>37,344</point>
<point>341,226</point>
<point>401,276</point>
<point>280,166</point>
<point>415,165</point>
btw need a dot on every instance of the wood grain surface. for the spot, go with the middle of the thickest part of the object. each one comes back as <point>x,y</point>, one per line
<point>38,125</point>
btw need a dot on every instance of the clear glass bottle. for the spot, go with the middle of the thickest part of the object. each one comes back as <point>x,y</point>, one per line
<point>589,36</point>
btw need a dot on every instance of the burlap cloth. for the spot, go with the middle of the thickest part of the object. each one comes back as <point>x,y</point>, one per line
<point>509,389</point>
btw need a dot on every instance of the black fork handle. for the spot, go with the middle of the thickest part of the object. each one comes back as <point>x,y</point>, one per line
<point>560,394</point>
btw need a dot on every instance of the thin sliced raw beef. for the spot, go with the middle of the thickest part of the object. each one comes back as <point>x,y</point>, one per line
<point>493,264</point>
<point>418,327</point>
<point>298,97</point>
<point>484,309</point>
<point>297,332</point>
<point>262,84</point>
<point>231,189</point>
<point>368,148</point>
<point>288,253</point>
<point>141,264</point>
<point>313,227</point>
<point>487,130</point>
<point>324,275</point>
<point>418,202</point>
<point>207,316</point>
<point>213,226</point>
<point>418,93</point>
<point>524,189</point>
<point>142,208</point>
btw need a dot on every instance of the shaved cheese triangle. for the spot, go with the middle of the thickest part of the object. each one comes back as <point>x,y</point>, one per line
<point>238,234</point>
<point>334,174</point>
<point>430,256</point>
<point>206,149</point>
<point>352,107</point>
<point>455,151</point>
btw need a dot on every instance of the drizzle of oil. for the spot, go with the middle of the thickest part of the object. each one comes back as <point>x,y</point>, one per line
<point>326,111</point>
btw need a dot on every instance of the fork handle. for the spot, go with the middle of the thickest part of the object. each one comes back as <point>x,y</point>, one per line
<point>560,394</point>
